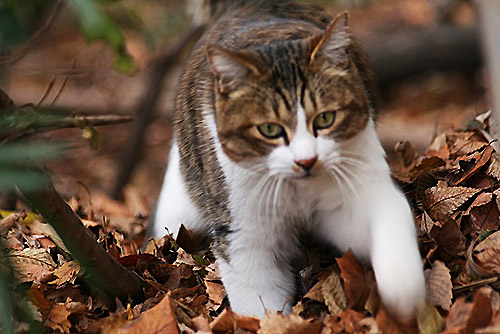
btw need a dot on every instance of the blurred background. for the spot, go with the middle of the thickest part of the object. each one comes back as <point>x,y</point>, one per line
<point>124,57</point>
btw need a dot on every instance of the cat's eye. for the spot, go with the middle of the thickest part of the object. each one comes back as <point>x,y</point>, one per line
<point>271,130</point>
<point>324,120</point>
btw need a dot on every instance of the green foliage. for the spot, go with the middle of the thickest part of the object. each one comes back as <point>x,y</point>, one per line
<point>97,25</point>
<point>18,20</point>
<point>17,161</point>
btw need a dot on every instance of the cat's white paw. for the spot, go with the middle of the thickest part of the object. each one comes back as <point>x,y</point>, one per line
<point>401,285</point>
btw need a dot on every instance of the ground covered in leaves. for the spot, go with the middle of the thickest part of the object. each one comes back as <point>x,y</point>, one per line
<point>453,188</point>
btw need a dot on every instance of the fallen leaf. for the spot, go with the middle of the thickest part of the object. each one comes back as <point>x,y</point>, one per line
<point>439,286</point>
<point>67,273</point>
<point>333,293</point>
<point>441,201</point>
<point>57,318</point>
<point>32,264</point>
<point>494,167</point>
<point>482,159</point>
<point>459,313</point>
<point>481,312</point>
<point>158,319</point>
<point>483,259</point>
<point>216,292</point>
<point>429,320</point>
<point>355,286</point>
<point>274,323</point>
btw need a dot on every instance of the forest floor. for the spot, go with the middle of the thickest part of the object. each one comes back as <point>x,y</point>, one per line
<point>435,131</point>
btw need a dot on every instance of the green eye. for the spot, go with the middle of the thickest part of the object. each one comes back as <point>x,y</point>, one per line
<point>324,120</point>
<point>271,130</point>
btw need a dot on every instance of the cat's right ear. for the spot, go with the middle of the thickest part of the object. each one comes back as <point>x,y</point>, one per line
<point>230,66</point>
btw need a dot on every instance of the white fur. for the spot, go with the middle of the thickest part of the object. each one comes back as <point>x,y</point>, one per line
<point>354,202</point>
<point>174,206</point>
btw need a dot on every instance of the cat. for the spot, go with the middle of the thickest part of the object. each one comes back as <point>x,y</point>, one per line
<point>274,137</point>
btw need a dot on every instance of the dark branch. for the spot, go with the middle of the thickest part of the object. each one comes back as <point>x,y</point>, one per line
<point>103,271</point>
<point>147,105</point>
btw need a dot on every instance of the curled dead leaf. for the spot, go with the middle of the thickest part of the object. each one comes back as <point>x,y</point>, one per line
<point>439,286</point>
<point>483,259</point>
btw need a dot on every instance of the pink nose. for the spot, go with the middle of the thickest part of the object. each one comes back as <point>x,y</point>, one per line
<point>307,164</point>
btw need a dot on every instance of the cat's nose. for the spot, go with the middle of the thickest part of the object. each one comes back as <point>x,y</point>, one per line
<point>307,164</point>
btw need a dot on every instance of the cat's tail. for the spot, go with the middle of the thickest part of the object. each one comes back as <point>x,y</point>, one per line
<point>206,11</point>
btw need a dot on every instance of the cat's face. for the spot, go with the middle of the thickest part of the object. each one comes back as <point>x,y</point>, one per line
<point>287,107</point>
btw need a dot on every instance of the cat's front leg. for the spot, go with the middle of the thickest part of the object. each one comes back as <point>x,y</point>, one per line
<point>255,273</point>
<point>377,224</point>
<point>393,249</point>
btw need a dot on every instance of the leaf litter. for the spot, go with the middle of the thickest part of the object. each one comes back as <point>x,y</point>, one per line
<point>453,188</point>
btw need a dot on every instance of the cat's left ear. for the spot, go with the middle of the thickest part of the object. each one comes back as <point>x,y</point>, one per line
<point>230,67</point>
<point>332,44</point>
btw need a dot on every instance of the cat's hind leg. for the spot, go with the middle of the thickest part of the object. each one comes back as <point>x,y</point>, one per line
<point>174,206</point>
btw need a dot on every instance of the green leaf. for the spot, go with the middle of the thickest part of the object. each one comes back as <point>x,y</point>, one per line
<point>24,154</point>
<point>28,179</point>
<point>97,25</point>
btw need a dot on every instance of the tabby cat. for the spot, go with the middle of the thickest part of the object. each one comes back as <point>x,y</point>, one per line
<point>275,139</point>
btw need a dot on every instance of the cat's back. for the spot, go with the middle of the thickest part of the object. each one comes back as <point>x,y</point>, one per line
<point>254,22</point>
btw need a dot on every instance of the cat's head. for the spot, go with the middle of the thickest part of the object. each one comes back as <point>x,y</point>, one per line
<point>289,105</point>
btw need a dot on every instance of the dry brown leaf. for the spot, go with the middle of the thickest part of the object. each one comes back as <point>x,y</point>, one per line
<point>333,293</point>
<point>481,312</point>
<point>481,159</point>
<point>483,259</point>
<point>216,292</point>
<point>450,239</point>
<point>202,325</point>
<point>441,201</point>
<point>349,321</point>
<point>485,218</point>
<point>494,167</point>
<point>58,318</point>
<point>32,264</point>
<point>225,322</point>
<point>459,313</point>
<point>67,273</point>
<point>158,319</point>
<point>355,286</point>
<point>273,323</point>
<point>480,200</point>
<point>439,286</point>
<point>463,143</point>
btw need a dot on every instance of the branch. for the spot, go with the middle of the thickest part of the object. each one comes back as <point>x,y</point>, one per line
<point>102,270</point>
<point>147,104</point>
<point>46,123</point>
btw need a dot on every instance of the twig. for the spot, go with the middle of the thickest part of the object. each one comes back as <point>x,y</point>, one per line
<point>55,123</point>
<point>63,85</point>
<point>103,271</point>
<point>475,284</point>
<point>146,106</point>
<point>47,91</point>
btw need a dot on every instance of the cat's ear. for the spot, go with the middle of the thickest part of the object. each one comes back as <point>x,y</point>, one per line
<point>230,66</point>
<point>333,43</point>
